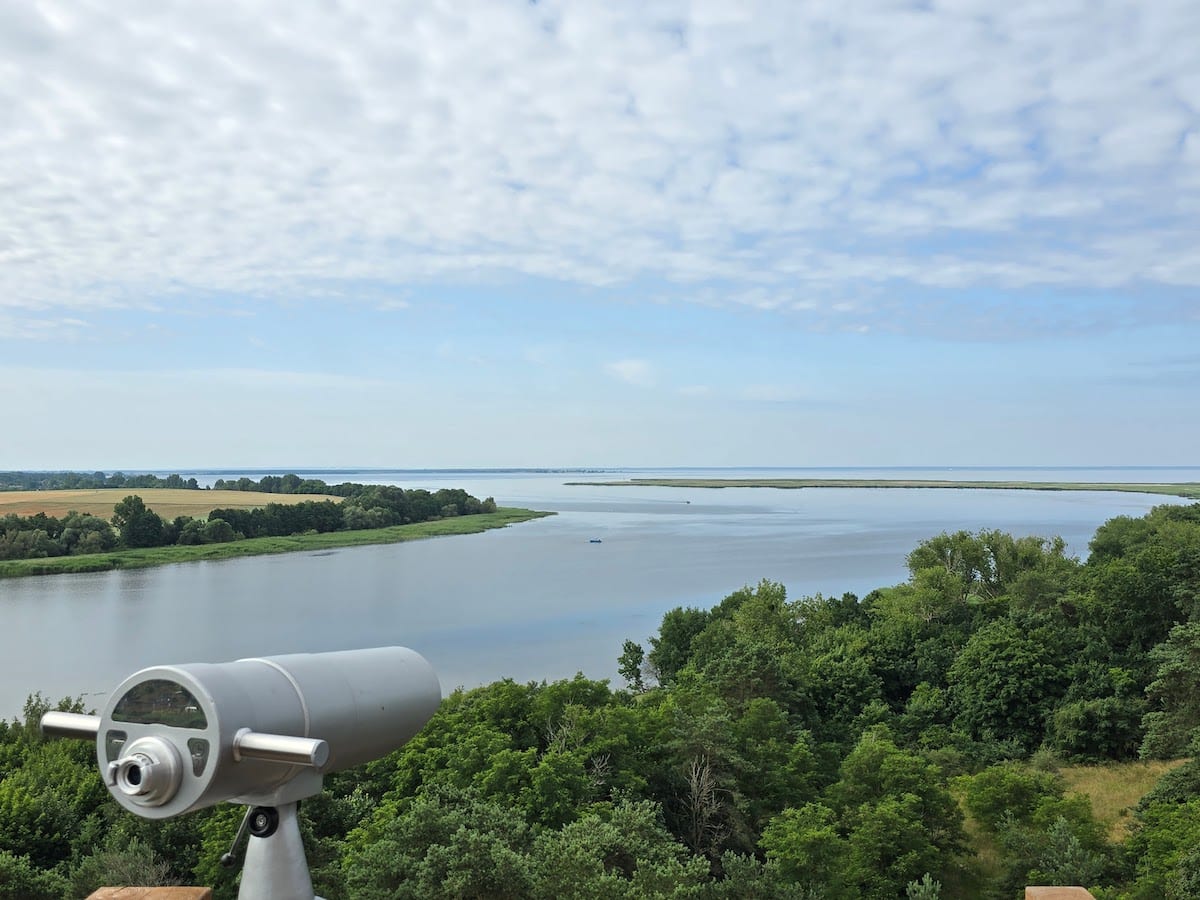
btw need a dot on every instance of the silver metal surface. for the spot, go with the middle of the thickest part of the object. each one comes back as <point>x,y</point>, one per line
<point>275,867</point>
<point>70,725</point>
<point>280,748</point>
<point>148,772</point>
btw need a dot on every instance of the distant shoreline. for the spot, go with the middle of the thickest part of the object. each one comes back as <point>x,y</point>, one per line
<point>298,543</point>
<point>1189,490</point>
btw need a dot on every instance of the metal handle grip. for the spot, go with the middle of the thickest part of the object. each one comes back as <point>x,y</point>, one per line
<point>281,748</point>
<point>71,725</point>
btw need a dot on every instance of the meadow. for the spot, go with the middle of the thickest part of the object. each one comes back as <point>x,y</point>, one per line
<point>1114,789</point>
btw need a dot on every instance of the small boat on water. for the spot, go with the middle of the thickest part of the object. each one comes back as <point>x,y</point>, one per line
<point>594,541</point>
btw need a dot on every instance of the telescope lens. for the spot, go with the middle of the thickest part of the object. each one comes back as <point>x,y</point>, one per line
<point>135,775</point>
<point>149,774</point>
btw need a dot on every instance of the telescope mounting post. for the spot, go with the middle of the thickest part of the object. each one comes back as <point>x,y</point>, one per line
<point>275,866</point>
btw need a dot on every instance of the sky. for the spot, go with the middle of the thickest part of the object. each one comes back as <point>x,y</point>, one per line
<point>492,233</point>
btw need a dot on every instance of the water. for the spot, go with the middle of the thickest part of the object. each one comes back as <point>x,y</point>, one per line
<point>533,601</point>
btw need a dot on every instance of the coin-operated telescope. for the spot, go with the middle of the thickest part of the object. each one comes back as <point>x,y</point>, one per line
<point>262,732</point>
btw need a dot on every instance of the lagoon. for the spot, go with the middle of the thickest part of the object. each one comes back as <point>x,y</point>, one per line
<point>539,600</point>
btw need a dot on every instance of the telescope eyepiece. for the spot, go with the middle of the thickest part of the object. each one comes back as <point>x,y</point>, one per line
<point>148,773</point>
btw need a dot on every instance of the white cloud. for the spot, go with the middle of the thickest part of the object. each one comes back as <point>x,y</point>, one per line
<point>631,371</point>
<point>277,150</point>
<point>38,328</point>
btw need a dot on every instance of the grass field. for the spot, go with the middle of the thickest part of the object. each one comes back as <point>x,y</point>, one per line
<point>1113,789</point>
<point>167,502</point>
<point>1189,489</point>
<point>161,556</point>
<point>1116,788</point>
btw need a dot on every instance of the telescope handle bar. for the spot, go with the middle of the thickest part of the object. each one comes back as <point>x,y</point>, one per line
<point>280,748</point>
<point>247,744</point>
<point>70,725</point>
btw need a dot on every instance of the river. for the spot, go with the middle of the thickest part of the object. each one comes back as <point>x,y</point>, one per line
<point>539,600</point>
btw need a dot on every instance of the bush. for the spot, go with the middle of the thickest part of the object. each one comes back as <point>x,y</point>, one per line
<point>1009,791</point>
<point>131,865</point>
<point>1092,730</point>
<point>20,880</point>
<point>218,531</point>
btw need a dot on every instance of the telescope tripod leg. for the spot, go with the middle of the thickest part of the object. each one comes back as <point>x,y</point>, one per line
<point>275,866</point>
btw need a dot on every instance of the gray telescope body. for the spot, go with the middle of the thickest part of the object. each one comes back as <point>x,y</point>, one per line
<point>172,739</point>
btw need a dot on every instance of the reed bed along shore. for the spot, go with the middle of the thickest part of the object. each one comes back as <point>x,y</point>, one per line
<point>1190,490</point>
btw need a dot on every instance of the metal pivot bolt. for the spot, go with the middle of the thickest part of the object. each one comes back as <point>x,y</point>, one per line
<point>263,821</point>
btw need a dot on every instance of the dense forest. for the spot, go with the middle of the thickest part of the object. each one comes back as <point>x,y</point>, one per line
<point>77,481</point>
<point>74,481</point>
<point>908,744</point>
<point>133,524</point>
<point>288,484</point>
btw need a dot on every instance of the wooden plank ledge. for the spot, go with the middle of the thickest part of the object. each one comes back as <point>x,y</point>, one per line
<point>1058,893</point>
<point>151,893</point>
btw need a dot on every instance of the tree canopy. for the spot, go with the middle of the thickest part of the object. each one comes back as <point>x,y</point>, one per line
<point>902,745</point>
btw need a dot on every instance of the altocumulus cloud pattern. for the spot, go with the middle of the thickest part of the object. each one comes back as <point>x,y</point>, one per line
<point>825,159</point>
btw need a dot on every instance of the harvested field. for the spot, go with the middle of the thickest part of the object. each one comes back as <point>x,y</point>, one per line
<point>167,502</point>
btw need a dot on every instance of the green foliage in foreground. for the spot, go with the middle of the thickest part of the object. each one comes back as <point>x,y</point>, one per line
<point>297,543</point>
<point>892,748</point>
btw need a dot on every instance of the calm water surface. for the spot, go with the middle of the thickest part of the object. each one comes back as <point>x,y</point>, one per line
<point>533,601</point>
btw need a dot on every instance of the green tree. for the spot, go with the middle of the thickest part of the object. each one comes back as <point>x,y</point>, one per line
<point>622,852</point>
<point>671,648</point>
<point>1061,845</point>
<point>444,844</point>
<point>897,813</point>
<point>1174,695</point>
<point>751,647</point>
<point>1009,792</point>
<point>1095,730</point>
<point>1166,834</point>
<point>810,850</point>
<point>21,880</point>
<point>218,531</point>
<point>139,526</point>
<point>190,531</point>
<point>631,663</point>
<point>925,889</point>
<point>84,533</point>
<point>1007,679</point>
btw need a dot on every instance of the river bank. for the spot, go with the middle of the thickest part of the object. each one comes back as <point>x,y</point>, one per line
<point>162,556</point>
